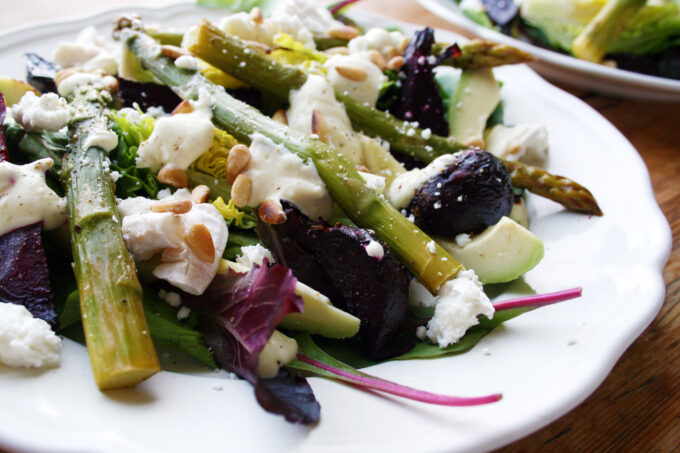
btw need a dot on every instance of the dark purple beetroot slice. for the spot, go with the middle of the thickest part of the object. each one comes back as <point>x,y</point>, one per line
<point>501,12</point>
<point>24,278</point>
<point>4,155</point>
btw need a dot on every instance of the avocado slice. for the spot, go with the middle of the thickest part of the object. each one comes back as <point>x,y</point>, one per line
<point>500,253</point>
<point>13,90</point>
<point>476,97</point>
<point>319,315</point>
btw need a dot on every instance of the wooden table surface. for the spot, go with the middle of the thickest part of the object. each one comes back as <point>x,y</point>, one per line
<point>637,408</point>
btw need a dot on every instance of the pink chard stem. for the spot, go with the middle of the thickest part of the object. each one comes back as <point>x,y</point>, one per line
<point>539,300</point>
<point>338,6</point>
<point>400,390</point>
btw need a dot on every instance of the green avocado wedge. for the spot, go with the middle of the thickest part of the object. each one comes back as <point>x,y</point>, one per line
<point>499,254</point>
<point>13,90</point>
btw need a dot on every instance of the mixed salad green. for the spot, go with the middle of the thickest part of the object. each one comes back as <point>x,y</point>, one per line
<point>317,200</point>
<point>635,35</point>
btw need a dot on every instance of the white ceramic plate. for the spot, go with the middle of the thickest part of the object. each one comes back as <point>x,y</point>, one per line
<point>566,69</point>
<point>545,362</point>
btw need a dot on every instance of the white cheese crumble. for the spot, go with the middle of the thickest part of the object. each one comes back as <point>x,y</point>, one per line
<point>318,94</point>
<point>463,239</point>
<point>278,174</point>
<point>187,62</point>
<point>179,139</point>
<point>26,341</point>
<point>148,233</point>
<point>183,313</point>
<point>378,39</point>
<point>459,302</point>
<point>26,199</point>
<point>89,51</point>
<point>254,254</point>
<point>527,143</point>
<point>365,91</point>
<point>172,298</point>
<point>375,250</point>
<point>431,247</point>
<point>48,112</point>
<point>404,187</point>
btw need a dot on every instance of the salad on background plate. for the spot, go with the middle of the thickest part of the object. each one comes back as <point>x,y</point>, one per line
<point>626,48</point>
<point>277,197</point>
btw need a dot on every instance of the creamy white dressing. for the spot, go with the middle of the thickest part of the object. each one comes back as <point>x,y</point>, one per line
<point>26,199</point>
<point>278,174</point>
<point>403,188</point>
<point>48,112</point>
<point>254,254</point>
<point>365,91</point>
<point>318,94</point>
<point>89,51</point>
<point>375,250</point>
<point>378,39</point>
<point>179,139</point>
<point>279,350</point>
<point>527,143</point>
<point>95,79</point>
<point>147,234</point>
<point>187,62</point>
<point>100,136</point>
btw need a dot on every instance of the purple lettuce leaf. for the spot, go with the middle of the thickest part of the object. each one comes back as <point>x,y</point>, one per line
<point>333,260</point>
<point>240,312</point>
<point>4,155</point>
<point>24,277</point>
<point>419,98</point>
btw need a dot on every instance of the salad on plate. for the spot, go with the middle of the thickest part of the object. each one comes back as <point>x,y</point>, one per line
<point>277,197</point>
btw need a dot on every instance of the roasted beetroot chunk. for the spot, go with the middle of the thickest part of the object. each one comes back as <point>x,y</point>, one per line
<point>334,261</point>
<point>24,278</point>
<point>472,193</point>
<point>419,98</point>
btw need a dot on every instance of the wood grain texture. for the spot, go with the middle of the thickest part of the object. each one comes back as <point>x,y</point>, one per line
<point>637,408</point>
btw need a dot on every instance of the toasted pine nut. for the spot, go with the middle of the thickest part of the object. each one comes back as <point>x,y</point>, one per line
<point>343,32</point>
<point>319,126</point>
<point>280,116</point>
<point>241,190</point>
<point>175,206</point>
<point>200,194</point>
<point>355,73</point>
<point>341,50</point>
<point>182,107</point>
<point>395,63</point>
<point>271,212</point>
<point>403,44</point>
<point>173,176</point>
<point>173,51</point>
<point>237,161</point>
<point>393,52</point>
<point>200,242</point>
<point>256,15</point>
<point>377,59</point>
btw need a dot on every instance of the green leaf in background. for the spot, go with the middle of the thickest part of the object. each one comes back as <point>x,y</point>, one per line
<point>267,6</point>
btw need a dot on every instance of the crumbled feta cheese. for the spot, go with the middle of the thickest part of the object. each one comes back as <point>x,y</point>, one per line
<point>48,112</point>
<point>459,302</point>
<point>89,51</point>
<point>254,254</point>
<point>527,143</point>
<point>278,174</point>
<point>463,239</point>
<point>148,233</point>
<point>172,298</point>
<point>187,62</point>
<point>179,139</point>
<point>378,39</point>
<point>365,91</point>
<point>375,250</point>
<point>404,187</point>
<point>26,199</point>
<point>183,313</point>
<point>317,94</point>
<point>431,247</point>
<point>26,341</point>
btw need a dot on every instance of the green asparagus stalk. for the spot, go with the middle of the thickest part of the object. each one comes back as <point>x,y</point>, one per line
<point>594,41</point>
<point>432,266</point>
<point>116,332</point>
<point>478,54</point>
<point>261,72</point>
